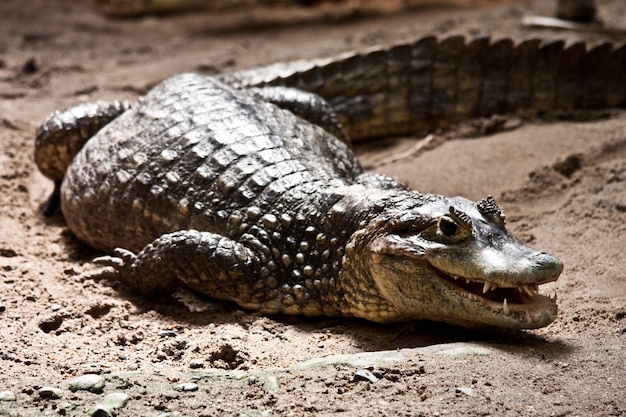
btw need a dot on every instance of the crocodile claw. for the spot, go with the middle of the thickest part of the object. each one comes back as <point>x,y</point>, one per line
<point>124,258</point>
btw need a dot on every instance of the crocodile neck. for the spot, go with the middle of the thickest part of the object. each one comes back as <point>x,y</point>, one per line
<point>355,219</point>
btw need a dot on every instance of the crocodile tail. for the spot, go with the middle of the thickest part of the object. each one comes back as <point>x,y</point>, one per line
<point>63,134</point>
<point>431,84</point>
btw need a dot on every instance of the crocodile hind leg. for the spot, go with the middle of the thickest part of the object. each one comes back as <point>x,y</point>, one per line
<point>309,106</point>
<point>63,134</point>
<point>206,262</point>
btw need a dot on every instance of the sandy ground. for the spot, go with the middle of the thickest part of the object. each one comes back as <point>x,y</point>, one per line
<point>562,185</point>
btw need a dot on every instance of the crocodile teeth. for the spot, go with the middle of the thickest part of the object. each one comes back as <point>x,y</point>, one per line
<point>505,307</point>
<point>528,290</point>
<point>488,285</point>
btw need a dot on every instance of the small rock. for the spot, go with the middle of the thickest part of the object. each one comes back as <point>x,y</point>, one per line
<point>167,333</point>
<point>270,383</point>
<point>50,393</point>
<point>7,396</point>
<point>186,387</point>
<point>172,414</point>
<point>115,400</point>
<point>100,411</point>
<point>111,402</point>
<point>365,375</point>
<point>196,363</point>
<point>462,349</point>
<point>88,382</point>
<point>7,253</point>
<point>31,66</point>
<point>465,390</point>
<point>51,322</point>
<point>99,310</point>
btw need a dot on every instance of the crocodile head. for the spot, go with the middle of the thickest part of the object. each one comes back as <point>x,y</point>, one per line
<point>453,260</point>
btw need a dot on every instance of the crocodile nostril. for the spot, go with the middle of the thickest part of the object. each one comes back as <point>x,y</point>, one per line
<point>548,263</point>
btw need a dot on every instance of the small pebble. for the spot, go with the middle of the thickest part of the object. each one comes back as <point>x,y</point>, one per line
<point>270,383</point>
<point>30,66</point>
<point>196,363</point>
<point>465,390</point>
<point>7,396</point>
<point>186,387</point>
<point>115,400</point>
<point>167,333</point>
<point>100,411</point>
<point>365,375</point>
<point>88,382</point>
<point>50,393</point>
<point>7,253</point>
<point>51,323</point>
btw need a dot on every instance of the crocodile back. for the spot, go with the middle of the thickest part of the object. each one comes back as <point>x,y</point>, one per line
<point>189,155</point>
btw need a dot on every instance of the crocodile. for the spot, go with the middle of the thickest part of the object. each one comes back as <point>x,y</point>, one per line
<point>243,186</point>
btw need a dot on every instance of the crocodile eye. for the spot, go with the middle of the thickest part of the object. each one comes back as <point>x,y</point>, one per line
<point>447,226</point>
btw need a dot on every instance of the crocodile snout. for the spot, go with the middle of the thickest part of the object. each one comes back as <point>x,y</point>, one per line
<point>547,267</point>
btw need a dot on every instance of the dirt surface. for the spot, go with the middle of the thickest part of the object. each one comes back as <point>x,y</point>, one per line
<point>562,185</point>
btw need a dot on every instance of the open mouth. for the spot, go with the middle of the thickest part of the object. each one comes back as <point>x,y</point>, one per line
<point>506,298</point>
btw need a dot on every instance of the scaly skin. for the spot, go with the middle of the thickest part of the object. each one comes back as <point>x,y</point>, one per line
<point>431,84</point>
<point>205,182</point>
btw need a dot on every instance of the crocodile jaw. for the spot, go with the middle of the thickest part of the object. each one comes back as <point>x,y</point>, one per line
<point>420,291</point>
<point>521,306</point>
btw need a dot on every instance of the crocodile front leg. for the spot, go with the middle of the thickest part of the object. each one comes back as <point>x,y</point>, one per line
<point>211,264</point>
<point>206,262</point>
